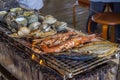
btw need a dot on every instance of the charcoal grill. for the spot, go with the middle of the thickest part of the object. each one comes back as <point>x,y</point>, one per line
<point>65,67</point>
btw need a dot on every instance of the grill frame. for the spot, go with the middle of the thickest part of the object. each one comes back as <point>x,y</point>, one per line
<point>49,60</point>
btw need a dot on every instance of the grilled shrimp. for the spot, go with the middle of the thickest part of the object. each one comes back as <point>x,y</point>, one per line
<point>65,45</point>
<point>54,40</point>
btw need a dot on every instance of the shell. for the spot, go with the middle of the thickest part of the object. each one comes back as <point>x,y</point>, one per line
<point>45,27</point>
<point>28,13</point>
<point>17,23</point>
<point>32,18</point>
<point>34,32</point>
<point>14,35</point>
<point>18,11</point>
<point>45,34</point>
<point>49,19</point>
<point>23,31</point>
<point>9,18</point>
<point>34,25</point>
<point>21,21</point>
<point>41,18</point>
<point>15,9</point>
<point>2,14</point>
<point>59,26</point>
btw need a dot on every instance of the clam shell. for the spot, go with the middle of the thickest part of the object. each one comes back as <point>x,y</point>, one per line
<point>14,35</point>
<point>9,18</point>
<point>17,23</point>
<point>32,18</point>
<point>59,26</point>
<point>21,21</point>
<point>34,25</point>
<point>2,14</point>
<point>34,32</point>
<point>45,34</point>
<point>41,18</point>
<point>28,13</point>
<point>23,31</point>
<point>20,34</point>
<point>45,27</point>
<point>49,19</point>
<point>16,9</point>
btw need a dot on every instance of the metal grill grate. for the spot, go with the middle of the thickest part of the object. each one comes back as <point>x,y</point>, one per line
<point>66,67</point>
<point>71,68</point>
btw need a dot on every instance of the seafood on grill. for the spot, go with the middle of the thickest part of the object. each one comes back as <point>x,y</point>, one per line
<point>33,22</point>
<point>34,26</point>
<point>40,34</point>
<point>59,44</point>
<point>54,40</point>
<point>50,40</point>
<point>17,23</point>
<point>40,18</point>
<point>21,21</point>
<point>18,11</point>
<point>17,17</point>
<point>65,45</point>
<point>99,48</point>
<point>12,18</point>
<point>23,31</point>
<point>9,18</point>
<point>26,32</point>
<point>32,18</point>
<point>60,26</point>
<point>49,19</point>
<point>45,27</point>
<point>14,35</point>
<point>2,14</point>
<point>28,13</point>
